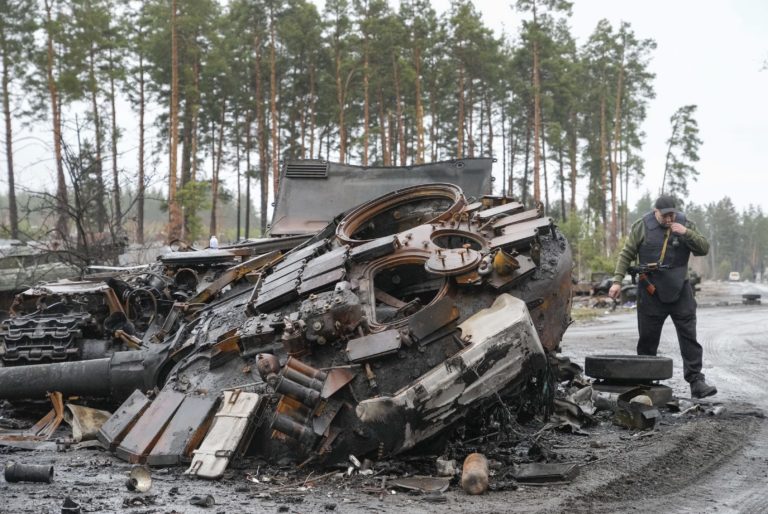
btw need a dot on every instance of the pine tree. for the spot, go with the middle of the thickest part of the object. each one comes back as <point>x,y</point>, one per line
<point>682,152</point>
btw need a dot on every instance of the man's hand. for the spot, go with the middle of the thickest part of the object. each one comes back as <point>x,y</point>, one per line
<point>678,228</point>
<point>615,291</point>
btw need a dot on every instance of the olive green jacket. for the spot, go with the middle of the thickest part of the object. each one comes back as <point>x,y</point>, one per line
<point>693,239</point>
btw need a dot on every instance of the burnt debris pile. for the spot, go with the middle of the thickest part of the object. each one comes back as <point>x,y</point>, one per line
<point>401,319</point>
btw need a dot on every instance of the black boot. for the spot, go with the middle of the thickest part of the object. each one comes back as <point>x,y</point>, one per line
<point>700,389</point>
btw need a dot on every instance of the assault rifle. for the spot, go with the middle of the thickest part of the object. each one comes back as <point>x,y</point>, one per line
<point>642,271</point>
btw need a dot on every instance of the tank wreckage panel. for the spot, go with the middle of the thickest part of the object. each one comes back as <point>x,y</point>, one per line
<point>402,317</point>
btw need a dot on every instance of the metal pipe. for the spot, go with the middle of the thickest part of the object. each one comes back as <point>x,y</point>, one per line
<point>289,427</point>
<point>305,395</point>
<point>81,378</point>
<point>305,368</point>
<point>15,472</point>
<point>115,377</point>
<point>302,379</point>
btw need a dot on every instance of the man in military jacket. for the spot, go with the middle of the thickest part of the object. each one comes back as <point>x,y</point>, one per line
<point>662,242</point>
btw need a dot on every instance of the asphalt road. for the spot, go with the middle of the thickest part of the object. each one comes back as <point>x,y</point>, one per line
<point>735,341</point>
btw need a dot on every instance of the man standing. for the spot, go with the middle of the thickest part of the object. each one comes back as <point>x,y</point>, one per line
<point>665,239</point>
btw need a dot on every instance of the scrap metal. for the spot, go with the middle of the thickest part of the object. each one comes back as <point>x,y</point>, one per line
<point>396,320</point>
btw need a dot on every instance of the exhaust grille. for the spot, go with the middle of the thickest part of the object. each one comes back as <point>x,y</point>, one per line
<point>306,169</point>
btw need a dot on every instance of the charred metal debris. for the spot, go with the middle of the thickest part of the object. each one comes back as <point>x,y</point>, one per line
<point>403,317</point>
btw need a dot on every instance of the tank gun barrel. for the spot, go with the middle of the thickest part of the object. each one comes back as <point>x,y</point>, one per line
<point>115,377</point>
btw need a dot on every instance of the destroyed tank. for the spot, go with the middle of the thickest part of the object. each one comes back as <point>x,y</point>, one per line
<point>403,316</point>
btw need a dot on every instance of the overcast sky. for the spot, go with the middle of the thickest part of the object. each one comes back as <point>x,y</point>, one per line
<point>710,54</point>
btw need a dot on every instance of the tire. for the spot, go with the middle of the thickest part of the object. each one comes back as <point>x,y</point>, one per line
<point>628,367</point>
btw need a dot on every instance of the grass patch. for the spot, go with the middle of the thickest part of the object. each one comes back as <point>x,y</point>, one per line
<point>580,314</point>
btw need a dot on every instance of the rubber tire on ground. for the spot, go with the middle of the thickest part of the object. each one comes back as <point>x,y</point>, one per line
<point>628,367</point>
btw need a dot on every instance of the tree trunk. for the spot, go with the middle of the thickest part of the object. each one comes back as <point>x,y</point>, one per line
<point>524,187</point>
<point>366,102</point>
<point>248,143</point>
<point>536,121</point>
<point>340,102</point>
<point>237,171</point>
<point>101,215</point>
<point>613,239</point>
<point>313,112</point>
<point>215,175</point>
<point>187,150</point>
<point>385,153</point>
<point>174,208</point>
<point>419,108</point>
<point>574,172</point>
<point>489,116</point>
<point>273,112</point>
<point>603,170</point>
<point>118,214</point>
<point>544,169</point>
<point>469,110</point>
<point>460,128</point>
<point>13,214</point>
<point>141,185</point>
<point>261,138</point>
<point>433,126</point>
<point>61,184</point>
<point>403,150</point>
<point>562,179</point>
<point>514,137</point>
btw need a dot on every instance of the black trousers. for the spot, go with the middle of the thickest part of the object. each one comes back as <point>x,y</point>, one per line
<point>651,314</point>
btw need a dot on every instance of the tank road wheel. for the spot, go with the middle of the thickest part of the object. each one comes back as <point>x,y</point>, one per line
<point>628,367</point>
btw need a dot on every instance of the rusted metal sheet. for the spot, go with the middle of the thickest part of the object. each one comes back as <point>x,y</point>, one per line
<point>432,318</point>
<point>307,252</point>
<point>323,265</point>
<point>370,287</point>
<point>519,240</point>
<point>256,333</point>
<point>373,249</point>
<point>44,428</point>
<point>522,234</point>
<point>205,257</point>
<point>451,262</point>
<point>293,269</point>
<point>516,218</point>
<point>374,345</point>
<point>337,378</point>
<point>474,206</point>
<point>140,439</point>
<point>273,298</point>
<point>230,431</point>
<point>543,226</point>
<point>508,209</point>
<point>301,207</point>
<point>233,274</point>
<point>321,282</point>
<point>504,282</point>
<point>184,432</point>
<point>324,416</point>
<point>122,420</point>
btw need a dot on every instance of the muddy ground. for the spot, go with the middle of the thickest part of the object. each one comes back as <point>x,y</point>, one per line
<point>696,462</point>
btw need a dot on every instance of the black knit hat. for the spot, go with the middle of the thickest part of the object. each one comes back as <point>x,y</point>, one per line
<point>665,204</point>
